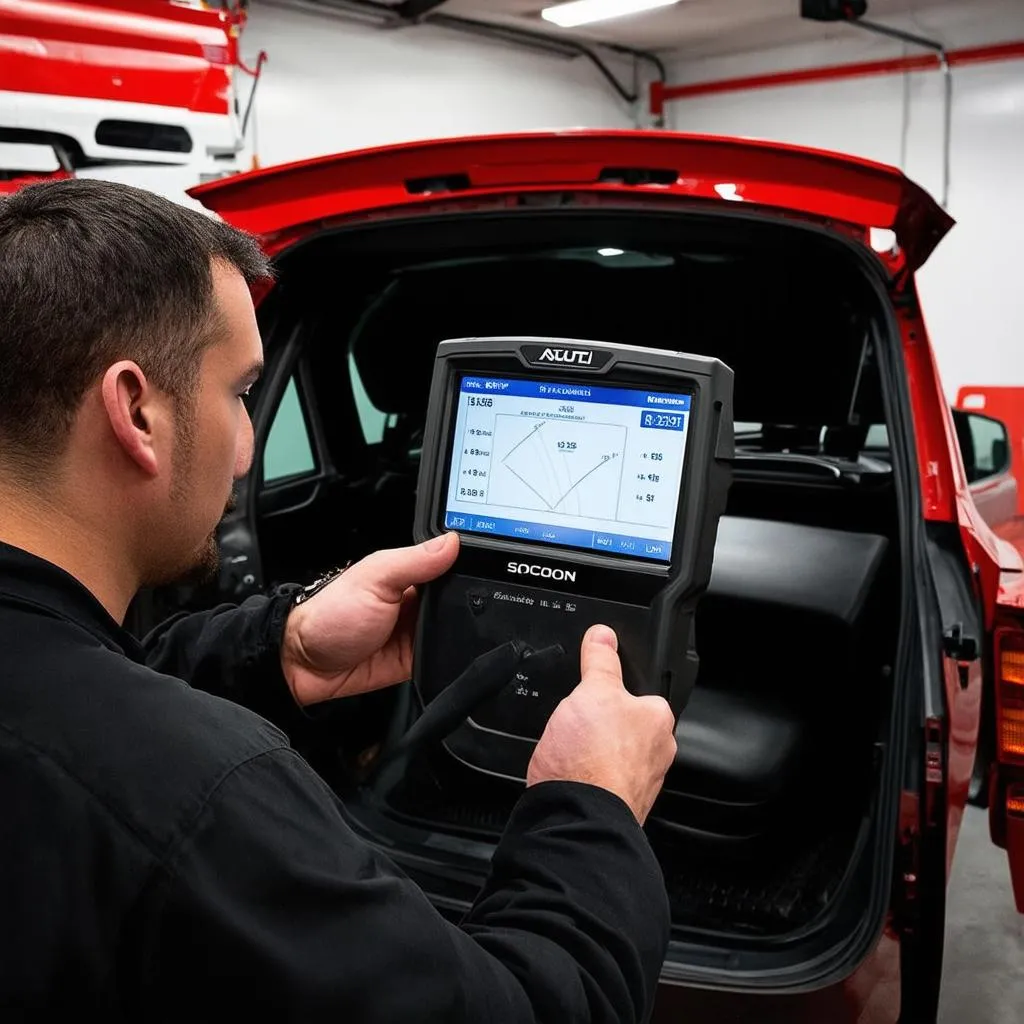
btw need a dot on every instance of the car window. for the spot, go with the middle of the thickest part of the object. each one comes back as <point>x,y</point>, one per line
<point>18,159</point>
<point>989,443</point>
<point>877,437</point>
<point>371,419</point>
<point>289,451</point>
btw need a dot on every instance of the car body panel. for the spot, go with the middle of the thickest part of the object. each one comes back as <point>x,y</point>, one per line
<point>1011,588</point>
<point>813,183</point>
<point>95,49</point>
<point>871,995</point>
<point>996,500</point>
<point>999,499</point>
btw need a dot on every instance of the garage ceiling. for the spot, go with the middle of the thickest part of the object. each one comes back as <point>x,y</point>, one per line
<point>693,28</point>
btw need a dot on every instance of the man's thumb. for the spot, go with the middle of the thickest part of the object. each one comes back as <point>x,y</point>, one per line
<point>599,659</point>
<point>439,543</point>
<point>391,572</point>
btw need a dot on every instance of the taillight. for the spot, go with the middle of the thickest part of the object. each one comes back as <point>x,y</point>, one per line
<point>1010,685</point>
<point>1015,800</point>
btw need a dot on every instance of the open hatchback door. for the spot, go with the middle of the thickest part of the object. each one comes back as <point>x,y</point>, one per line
<point>285,202</point>
<point>825,757</point>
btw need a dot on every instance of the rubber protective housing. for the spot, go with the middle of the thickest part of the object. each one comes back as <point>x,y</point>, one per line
<point>651,605</point>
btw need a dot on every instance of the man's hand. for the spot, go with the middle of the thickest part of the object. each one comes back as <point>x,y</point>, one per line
<point>356,635</point>
<point>603,735</point>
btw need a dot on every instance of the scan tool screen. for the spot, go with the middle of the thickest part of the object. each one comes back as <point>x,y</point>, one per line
<point>568,464</point>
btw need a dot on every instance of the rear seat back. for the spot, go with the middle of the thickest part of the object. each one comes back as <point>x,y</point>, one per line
<point>781,635</point>
<point>804,568</point>
<point>786,606</point>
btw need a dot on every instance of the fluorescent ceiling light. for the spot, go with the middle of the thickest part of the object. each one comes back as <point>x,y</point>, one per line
<point>583,12</point>
<point>611,252</point>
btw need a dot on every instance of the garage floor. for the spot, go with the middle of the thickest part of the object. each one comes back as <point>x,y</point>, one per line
<point>983,977</point>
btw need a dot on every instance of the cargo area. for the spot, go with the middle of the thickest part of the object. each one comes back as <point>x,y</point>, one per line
<point>766,825</point>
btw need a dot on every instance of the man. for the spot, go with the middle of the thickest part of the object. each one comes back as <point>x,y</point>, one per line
<point>165,853</point>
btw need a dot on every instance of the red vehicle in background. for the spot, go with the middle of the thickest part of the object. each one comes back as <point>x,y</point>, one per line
<point>115,81</point>
<point>990,422</point>
<point>860,606</point>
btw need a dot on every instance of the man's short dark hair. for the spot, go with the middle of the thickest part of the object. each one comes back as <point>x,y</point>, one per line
<point>92,272</point>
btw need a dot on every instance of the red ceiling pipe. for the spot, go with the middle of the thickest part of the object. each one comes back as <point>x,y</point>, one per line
<point>661,93</point>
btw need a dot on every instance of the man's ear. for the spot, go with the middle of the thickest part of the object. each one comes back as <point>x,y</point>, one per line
<point>132,409</point>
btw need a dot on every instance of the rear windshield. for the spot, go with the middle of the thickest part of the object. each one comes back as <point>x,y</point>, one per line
<point>791,316</point>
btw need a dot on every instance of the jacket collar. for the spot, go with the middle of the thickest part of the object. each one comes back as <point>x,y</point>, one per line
<point>27,580</point>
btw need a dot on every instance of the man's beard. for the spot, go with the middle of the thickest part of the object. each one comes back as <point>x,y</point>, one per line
<point>205,565</point>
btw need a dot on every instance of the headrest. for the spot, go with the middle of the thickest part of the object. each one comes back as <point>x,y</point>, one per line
<point>792,565</point>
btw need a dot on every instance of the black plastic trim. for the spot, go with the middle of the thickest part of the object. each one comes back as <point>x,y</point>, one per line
<point>164,138</point>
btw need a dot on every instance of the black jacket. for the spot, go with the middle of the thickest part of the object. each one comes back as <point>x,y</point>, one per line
<point>165,854</point>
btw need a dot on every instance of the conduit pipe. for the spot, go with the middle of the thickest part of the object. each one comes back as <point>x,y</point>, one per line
<point>563,46</point>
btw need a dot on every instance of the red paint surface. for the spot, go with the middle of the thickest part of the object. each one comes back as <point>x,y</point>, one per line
<point>131,51</point>
<point>871,995</point>
<point>6,187</point>
<point>946,495</point>
<point>661,93</point>
<point>828,187</point>
<point>1007,405</point>
<point>1013,532</point>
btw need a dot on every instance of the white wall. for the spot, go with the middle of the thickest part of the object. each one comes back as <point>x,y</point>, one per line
<point>332,83</point>
<point>972,287</point>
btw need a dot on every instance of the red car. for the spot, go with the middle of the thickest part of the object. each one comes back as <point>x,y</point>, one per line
<point>859,607</point>
<point>993,442</point>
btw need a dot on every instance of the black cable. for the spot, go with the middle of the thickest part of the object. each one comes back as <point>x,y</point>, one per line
<point>564,46</point>
<point>484,678</point>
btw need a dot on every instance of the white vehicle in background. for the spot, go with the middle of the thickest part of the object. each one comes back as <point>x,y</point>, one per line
<point>128,81</point>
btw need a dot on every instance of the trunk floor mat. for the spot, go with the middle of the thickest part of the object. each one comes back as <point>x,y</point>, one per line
<point>764,893</point>
<point>760,895</point>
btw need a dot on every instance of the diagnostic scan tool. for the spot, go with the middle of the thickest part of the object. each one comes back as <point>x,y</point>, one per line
<point>586,481</point>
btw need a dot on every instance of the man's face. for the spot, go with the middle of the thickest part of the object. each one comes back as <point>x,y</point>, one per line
<point>214,437</point>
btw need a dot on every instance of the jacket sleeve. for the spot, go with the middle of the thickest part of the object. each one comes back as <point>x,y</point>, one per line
<point>275,897</point>
<point>233,651</point>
